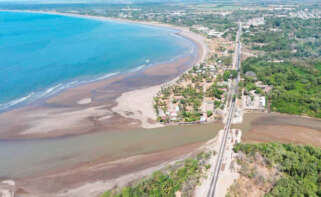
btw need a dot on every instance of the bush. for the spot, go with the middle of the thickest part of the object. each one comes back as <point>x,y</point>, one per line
<point>162,184</point>
<point>301,167</point>
<point>295,87</point>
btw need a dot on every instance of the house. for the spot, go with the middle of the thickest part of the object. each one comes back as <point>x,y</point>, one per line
<point>262,101</point>
<point>265,88</point>
<point>215,33</point>
<point>212,68</point>
<point>250,74</point>
<point>173,116</point>
<point>203,119</point>
<point>248,101</point>
<point>161,113</point>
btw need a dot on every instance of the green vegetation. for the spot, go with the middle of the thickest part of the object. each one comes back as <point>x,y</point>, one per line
<point>167,183</point>
<point>296,86</point>
<point>217,103</point>
<point>179,14</point>
<point>187,96</point>
<point>215,91</point>
<point>189,102</point>
<point>290,33</point>
<point>249,84</point>
<point>289,50</point>
<point>229,74</point>
<point>227,60</point>
<point>285,37</point>
<point>191,116</point>
<point>300,167</point>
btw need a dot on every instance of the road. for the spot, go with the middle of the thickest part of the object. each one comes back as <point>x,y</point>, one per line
<point>233,92</point>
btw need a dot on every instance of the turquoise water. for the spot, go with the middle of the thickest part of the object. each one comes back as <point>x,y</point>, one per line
<point>43,54</point>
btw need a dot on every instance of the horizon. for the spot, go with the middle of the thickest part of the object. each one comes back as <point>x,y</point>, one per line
<point>199,98</point>
<point>146,1</point>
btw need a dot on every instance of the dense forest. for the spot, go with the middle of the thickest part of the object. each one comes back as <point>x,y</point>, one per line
<point>296,86</point>
<point>300,167</point>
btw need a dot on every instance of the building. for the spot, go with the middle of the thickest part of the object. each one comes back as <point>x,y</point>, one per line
<point>203,119</point>
<point>215,33</point>
<point>262,101</point>
<point>177,108</point>
<point>250,74</point>
<point>173,116</point>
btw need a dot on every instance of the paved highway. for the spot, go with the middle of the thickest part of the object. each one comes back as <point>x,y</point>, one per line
<point>233,93</point>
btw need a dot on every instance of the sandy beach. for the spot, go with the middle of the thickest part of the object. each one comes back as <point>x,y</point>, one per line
<point>119,102</point>
<point>153,148</point>
<point>92,179</point>
<point>100,135</point>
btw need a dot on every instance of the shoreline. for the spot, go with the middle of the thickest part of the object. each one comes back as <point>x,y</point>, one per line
<point>88,176</point>
<point>93,178</point>
<point>126,101</point>
<point>103,109</point>
<point>56,89</point>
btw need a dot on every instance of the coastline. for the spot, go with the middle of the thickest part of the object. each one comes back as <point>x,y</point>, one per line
<point>101,107</point>
<point>96,105</point>
<point>123,102</point>
<point>96,176</point>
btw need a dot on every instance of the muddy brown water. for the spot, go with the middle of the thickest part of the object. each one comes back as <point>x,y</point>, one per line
<point>20,158</point>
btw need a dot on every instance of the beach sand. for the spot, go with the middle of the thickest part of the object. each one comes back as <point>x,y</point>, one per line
<point>119,102</point>
<point>99,175</point>
<point>92,179</point>
<point>138,104</point>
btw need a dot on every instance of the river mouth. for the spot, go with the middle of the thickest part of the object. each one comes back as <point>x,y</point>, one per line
<point>97,156</point>
<point>31,161</point>
<point>76,129</point>
<point>35,156</point>
<point>31,157</point>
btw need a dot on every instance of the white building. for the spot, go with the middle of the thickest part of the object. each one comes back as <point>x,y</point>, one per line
<point>173,116</point>
<point>203,119</point>
<point>262,101</point>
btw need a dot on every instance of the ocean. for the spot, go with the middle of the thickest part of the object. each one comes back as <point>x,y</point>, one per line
<point>43,54</point>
